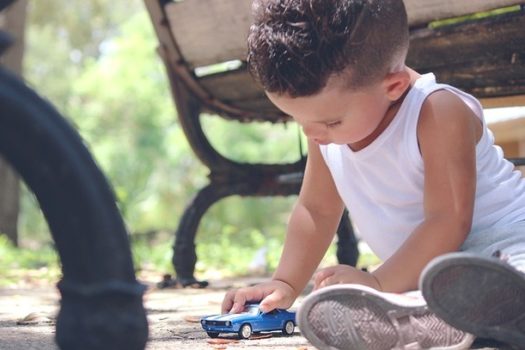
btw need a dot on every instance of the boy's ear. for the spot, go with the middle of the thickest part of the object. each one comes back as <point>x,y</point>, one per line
<point>395,84</point>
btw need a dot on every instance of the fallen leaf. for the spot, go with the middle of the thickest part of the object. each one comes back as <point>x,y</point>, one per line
<point>261,336</point>
<point>221,341</point>
<point>176,335</point>
<point>192,319</point>
<point>34,318</point>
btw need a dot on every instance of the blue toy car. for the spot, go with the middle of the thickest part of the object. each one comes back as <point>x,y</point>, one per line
<point>251,320</point>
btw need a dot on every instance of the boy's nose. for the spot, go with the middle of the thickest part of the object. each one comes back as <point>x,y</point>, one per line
<point>314,131</point>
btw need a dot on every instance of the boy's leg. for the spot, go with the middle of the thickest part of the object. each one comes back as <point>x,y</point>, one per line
<point>358,317</point>
<point>481,295</point>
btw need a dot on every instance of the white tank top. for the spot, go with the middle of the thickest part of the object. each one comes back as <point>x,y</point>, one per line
<point>382,184</point>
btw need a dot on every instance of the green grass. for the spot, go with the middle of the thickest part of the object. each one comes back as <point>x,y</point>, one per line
<point>24,258</point>
<point>151,256</point>
<point>222,258</point>
<point>22,264</point>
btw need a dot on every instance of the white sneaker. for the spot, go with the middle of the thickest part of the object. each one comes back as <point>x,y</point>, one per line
<point>356,317</point>
<point>481,295</point>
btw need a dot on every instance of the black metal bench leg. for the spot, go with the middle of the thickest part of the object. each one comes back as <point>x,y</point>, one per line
<point>184,249</point>
<point>184,257</point>
<point>347,250</point>
<point>184,254</point>
<point>101,305</point>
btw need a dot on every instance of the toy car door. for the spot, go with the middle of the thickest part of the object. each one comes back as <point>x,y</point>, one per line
<point>272,321</point>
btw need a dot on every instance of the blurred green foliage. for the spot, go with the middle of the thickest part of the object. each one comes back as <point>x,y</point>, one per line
<point>13,260</point>
<point>96,62</point>
<point>25,258</point>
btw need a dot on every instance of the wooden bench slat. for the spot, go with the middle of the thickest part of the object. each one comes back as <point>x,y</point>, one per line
<point>503,101</point>
<point>262,110</point>
<point>486,81</point>
<point>424,11</point>
<point>261,104</point>
<point>238,89</point>
<point>215,31</point>
<point>469,42</point>
<point>484,57</point>
<point>476,57</point>
<point>231,86</point>
<point>210,31</point>
<point>508,131</point>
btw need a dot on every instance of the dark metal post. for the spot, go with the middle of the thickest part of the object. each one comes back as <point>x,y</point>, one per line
<point>101,306</point>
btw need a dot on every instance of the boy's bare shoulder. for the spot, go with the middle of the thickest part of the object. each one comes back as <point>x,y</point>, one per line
<point>446,106</point>
<point>445,114</point>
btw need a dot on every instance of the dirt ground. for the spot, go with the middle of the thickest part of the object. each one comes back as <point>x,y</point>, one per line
<point>172,315</point>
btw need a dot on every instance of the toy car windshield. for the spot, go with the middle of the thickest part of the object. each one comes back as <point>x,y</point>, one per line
<point>252,309</point>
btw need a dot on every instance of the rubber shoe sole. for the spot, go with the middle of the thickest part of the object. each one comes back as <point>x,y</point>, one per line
<point>483,296</point>
<point>355,317</point>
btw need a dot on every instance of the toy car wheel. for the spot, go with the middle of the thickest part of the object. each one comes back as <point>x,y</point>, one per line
<point>213,334</point>
<point>288,328</point>
<point>245,331</point>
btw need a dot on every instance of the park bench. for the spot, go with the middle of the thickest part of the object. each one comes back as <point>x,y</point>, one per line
<point>202,44</point>
<point>101,300</point>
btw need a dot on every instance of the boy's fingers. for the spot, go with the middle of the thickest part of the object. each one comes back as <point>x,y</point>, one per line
<point>244,295</point>
<point>272,301</point>
<point>328,281</point>
<point>238,303</point>
<point>268,296</point>
<point>322,276</point>
<point>269,303</point>
<point>227,302</point>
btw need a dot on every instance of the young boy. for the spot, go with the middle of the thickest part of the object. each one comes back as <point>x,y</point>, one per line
<point>414,163</point>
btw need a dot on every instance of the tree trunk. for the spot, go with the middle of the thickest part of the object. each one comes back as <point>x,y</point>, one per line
<point>13,21</point>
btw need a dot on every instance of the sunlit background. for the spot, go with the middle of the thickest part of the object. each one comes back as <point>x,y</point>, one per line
<point>96,62</point>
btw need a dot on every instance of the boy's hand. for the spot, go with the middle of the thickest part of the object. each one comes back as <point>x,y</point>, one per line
<point>272,295</point>
<point>340,274</point>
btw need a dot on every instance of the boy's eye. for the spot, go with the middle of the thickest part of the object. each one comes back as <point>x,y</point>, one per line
<point>333,124</point>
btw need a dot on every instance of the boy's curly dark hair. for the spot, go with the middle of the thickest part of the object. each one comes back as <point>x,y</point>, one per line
<point>295,46</point>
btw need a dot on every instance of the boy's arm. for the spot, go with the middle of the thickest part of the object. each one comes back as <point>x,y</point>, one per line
<point>313,222</point>
<point>312,225</point>
<point>448,132</point>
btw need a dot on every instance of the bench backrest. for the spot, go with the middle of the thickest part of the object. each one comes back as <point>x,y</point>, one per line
<point>485,57</point>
